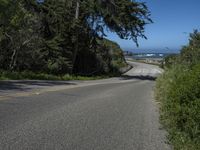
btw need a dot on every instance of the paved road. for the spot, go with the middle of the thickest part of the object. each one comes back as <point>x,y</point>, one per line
<point>111,114</point>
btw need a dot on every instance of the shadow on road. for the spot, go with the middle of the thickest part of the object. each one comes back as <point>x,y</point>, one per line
<point>28,85</point>
<point>139,77</point>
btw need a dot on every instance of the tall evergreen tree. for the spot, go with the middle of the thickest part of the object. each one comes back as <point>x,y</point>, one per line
<point>63,36</point>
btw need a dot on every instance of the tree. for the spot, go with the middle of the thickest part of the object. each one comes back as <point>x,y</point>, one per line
<point>59,36</point>
<point>126,18</point>
<point>191,54</point>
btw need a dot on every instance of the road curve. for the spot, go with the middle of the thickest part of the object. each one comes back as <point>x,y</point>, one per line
<point>112,114</point>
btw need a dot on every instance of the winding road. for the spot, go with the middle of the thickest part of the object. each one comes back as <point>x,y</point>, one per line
<point>110,114</point>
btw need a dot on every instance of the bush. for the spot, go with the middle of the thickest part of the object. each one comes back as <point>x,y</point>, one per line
<point>178,90</point>
<point>169,61</point>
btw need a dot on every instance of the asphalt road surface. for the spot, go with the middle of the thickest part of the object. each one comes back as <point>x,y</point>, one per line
<point>111,114</point>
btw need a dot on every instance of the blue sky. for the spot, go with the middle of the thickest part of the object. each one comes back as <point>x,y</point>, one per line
<point>173,21</point>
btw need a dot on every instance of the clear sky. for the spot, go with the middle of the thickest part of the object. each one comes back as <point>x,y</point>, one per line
<point>173,21</point>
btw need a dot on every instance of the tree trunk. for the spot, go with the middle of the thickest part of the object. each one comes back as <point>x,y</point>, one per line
<point>13,60</point>
<point>77,38</point>
<point>14,56</point>
<point>77,9</point>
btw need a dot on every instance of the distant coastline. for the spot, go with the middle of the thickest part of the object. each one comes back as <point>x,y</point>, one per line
<point>143,55</point>
<point>167,51</point>
<point>151,55</point>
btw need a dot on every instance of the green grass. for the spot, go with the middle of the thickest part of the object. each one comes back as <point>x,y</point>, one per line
<point>178,91</point>
<point>27,75</point>
<point>119,64</point>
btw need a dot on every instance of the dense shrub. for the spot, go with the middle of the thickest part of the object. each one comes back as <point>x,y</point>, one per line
<point>169,61</point>
<point>178,90</point>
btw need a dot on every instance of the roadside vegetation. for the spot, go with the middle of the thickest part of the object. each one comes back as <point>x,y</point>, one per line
<point>49,38</point>
<point>28,75</point>
<point>178,91</point>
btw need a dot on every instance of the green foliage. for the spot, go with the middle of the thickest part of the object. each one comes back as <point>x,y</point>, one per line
<point>169,61</point>
<point>117,56</point>
<point>178,90</point>
<point>108,58</point>
<point>20,42</point>
<point>191,54</point>
<point>57,37</point>
<point>125,17</point>
<point>28,75</point>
